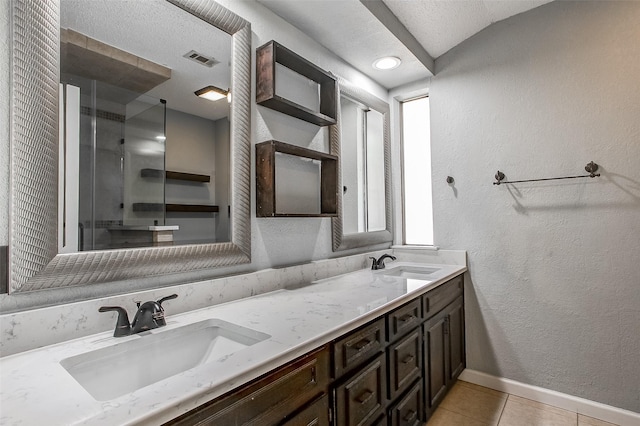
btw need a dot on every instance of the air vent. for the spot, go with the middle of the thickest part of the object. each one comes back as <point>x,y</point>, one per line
<point>201,59</point>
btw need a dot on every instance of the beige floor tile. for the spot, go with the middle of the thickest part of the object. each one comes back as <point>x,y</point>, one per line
<point>483,389</point>
<point>590,421</point>
<point>475,404</point>
<point>444,417</point>
<point>520,411</point>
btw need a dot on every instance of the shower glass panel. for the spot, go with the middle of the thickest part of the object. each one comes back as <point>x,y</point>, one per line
<point>120,133</point>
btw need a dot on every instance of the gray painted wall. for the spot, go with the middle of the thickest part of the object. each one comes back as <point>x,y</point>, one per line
<point>554,296</point>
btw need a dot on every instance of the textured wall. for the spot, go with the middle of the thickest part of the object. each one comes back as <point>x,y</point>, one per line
<point>555,294</point>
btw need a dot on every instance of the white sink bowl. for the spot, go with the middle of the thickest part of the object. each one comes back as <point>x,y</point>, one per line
<point>410,272</point>
<point>149,357</point>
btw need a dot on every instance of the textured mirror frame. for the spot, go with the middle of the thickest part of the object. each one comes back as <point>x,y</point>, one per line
<point>33,260</point>
<point>343,241</point>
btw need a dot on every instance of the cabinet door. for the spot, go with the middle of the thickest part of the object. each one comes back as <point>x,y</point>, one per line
<point>455,314</point>
<point>436,359</point>
<point>361,399</point>
<point>444,351</point>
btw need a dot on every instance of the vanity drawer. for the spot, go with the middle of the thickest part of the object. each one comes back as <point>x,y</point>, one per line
<point>407,411</point>
<point>362,398</point>
<point>405,365</point>
<point>269,399</point>
<point>354,349</point>
<point>436,299</point>
<point>403,319</point>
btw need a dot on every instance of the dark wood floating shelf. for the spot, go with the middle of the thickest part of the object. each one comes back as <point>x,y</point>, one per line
<point>266,179</point>
<point>169,174</point>
<point>159,207</point>
<point>272,53</point>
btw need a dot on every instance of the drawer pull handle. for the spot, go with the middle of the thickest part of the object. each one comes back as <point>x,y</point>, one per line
<point>406,318</point>
<point>410,416</point>
<point>364,397</point>
<point>362,344</point>
<point>408,359</point>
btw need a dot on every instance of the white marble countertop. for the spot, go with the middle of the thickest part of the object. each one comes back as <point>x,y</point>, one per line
<point>36,389</point>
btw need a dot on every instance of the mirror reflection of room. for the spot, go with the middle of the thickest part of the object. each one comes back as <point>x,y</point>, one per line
<point>143,160</point>
<point>362,146</point>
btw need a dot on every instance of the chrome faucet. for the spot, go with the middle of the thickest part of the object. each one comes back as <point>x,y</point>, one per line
<point>150,315</point>
<point>379,263</point>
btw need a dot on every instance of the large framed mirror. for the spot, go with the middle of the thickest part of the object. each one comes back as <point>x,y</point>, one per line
<point>35,259</point>
<point>361,141</point>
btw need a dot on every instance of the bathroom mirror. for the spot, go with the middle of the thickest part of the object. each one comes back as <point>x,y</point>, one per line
<point>34,261</point>
<point>361,141</point>
<point>144,161</point>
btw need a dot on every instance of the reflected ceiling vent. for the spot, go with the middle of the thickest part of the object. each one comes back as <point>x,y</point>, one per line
<point>201,59</point>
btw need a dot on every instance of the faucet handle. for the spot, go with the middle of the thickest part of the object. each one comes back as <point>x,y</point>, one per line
<point>374,264</point>
<point>123,328</point>
<point>173,296</point>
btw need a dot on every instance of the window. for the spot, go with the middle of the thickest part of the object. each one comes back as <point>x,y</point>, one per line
<point>416,172</point>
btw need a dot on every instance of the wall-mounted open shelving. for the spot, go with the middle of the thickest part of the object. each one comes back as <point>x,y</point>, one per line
<point>272,53</point>
<point>266,179</point>
<point>169,174</point>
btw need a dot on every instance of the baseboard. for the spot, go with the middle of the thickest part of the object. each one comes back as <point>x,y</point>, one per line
<point>557,399</point>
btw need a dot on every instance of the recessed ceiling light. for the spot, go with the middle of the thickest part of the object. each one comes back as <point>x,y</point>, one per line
<point>387,63</point>
<point>212,93</point>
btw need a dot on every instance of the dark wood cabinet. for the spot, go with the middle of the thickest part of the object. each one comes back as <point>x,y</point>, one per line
<point>445,352</point>
<point>436,365</point>
<point>392,371</point>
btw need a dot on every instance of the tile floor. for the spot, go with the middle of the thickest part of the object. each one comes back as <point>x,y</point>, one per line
<point>472,405</point>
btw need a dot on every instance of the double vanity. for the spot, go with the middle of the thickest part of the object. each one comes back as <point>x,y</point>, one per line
<point>373,338</point>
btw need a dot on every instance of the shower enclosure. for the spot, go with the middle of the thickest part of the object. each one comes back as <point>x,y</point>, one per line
<point>112,167</point>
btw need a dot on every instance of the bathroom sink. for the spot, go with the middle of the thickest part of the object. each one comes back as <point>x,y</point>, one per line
<point>149,357</point>
<point>410,272</point>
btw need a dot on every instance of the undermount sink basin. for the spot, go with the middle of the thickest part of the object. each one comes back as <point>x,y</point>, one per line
<point>410,272</point>
<point>149,357</point>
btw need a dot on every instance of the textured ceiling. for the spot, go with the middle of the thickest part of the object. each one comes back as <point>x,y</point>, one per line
<point>348,29</point>
<point>440,25</point>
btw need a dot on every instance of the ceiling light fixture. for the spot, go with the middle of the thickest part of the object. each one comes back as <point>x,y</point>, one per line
<point>212,93</point>
<point>387,63</point>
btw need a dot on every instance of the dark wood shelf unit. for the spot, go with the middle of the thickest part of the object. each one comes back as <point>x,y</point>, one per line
<point>266,179</point>
<point>192,208</point>
<point>169,174</point>
<point>272,53</point>
<point>184,208</point>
